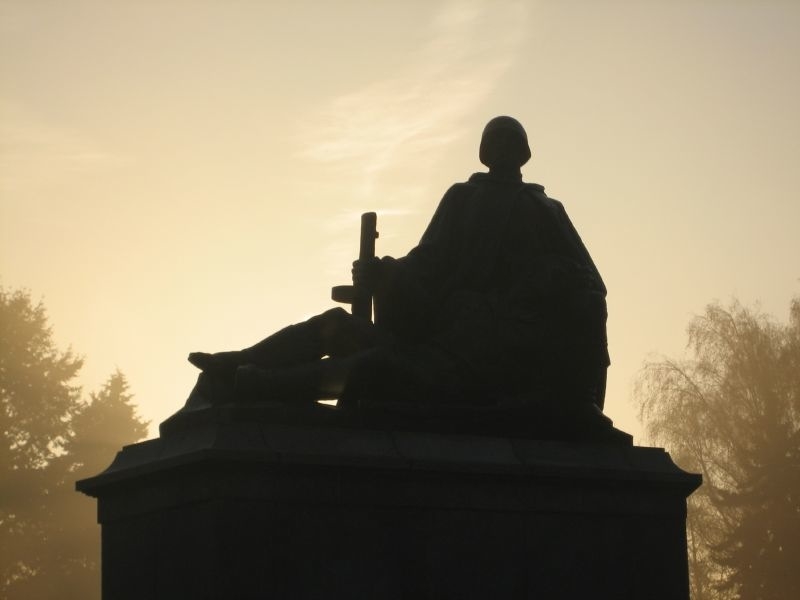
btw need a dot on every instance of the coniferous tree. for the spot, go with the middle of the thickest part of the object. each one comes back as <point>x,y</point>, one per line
<point>99,429</point>
<point>49,537</point>
<point>37,398</point>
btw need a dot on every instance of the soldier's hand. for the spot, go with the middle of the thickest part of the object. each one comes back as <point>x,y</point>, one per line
<point>368,274</point>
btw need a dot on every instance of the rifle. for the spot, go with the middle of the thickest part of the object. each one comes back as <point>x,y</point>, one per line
<point>360,299</point>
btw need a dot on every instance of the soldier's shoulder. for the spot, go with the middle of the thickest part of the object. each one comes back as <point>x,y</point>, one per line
<point>536,191</point>
<point>534,188</point>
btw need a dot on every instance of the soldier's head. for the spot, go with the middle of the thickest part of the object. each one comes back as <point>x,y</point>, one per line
<point>504,145</point>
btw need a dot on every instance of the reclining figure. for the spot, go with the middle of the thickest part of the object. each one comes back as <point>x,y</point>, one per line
<point>499,301</point>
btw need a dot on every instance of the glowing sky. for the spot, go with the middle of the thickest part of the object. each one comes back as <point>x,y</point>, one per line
<point>184,175</point>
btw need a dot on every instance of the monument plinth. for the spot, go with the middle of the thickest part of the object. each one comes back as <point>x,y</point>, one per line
<point>265,502</point>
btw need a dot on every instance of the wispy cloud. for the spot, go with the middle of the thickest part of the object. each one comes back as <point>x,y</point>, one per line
<point>32,152</point>
<point>423,107</point>
<point>410,118</point>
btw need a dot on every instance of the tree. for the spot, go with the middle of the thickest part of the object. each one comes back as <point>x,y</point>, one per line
<point>49,538</point>
<point>70,561</point>
<point>37,397</point>
<point>101,427</point>
<point>732,412</point>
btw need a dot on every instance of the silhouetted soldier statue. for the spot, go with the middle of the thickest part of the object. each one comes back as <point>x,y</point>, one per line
<point>499,303</point>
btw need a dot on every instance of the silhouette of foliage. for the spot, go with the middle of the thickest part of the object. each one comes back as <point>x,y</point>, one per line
<point>49,538</point>
<point>732,412</point>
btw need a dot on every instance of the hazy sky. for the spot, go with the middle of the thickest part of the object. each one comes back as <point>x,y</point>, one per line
<point>181,175</point>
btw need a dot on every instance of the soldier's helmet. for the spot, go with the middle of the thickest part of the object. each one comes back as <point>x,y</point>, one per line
<point>504,144</point>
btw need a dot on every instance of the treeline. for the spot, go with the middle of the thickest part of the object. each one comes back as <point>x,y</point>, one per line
<point>732,412</point>
<point>51,436</point>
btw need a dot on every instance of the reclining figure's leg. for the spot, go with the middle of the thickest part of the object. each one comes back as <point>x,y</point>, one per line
<point>294,344</point>
<point>289,365</point>
<point>334,333</point>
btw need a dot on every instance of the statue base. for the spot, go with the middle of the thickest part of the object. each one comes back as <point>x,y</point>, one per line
<point>236,502</point>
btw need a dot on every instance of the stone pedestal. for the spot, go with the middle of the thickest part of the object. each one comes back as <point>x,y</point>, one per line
<point>233,503</point>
